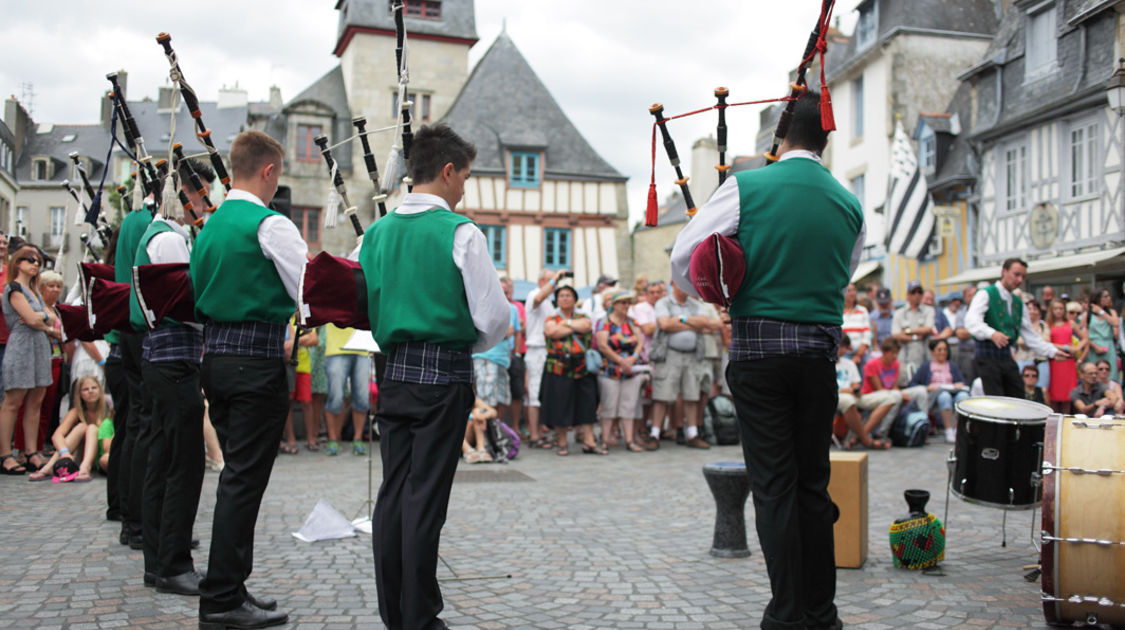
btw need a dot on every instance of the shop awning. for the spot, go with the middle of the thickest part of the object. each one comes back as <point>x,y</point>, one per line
<point>864,269</point>
<point>1036,267</point>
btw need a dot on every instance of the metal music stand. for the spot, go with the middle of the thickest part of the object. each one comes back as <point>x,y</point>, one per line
<point>362,341</point>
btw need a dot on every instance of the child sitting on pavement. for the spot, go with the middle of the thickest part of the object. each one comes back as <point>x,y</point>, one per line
<point>78,428</point>
<point>473,446</point>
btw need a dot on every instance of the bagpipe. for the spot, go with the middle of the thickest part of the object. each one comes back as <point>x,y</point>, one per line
<point>717,265</point>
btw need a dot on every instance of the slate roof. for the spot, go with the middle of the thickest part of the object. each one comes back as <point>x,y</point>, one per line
<point>972,17</point>
<point>328,90</point>
<point>960,162</point>
<point>92,141</point>
<point>504,105</point>
<point>458,19</point>
<point>940,122</point>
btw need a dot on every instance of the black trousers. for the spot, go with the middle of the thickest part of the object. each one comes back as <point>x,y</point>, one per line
<point>116,488</point>
<point>785,408</point>
<point>134,456</point>
<point>249,399</point>
<point>174,476</point>
<point>421,428</point>
<point>1000,376</point>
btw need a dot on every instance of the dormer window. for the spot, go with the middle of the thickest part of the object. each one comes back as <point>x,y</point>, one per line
<point>40,169</point>
<point>1041,51</point>
<point>524,170</point>
<point>428,9</point>
<point>927,148</point>
<point>866,26</point>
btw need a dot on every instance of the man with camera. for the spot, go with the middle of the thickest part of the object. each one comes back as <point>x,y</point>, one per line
<point>538,308</point>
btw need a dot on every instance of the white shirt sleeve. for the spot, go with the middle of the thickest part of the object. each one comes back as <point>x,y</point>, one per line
<point>857,251</point>
<point>167,247</point>
<point>1033,339</point>
<point>282,244</point>
<point>974,319</point>
<point>720,214</point>
<point>487,304</point>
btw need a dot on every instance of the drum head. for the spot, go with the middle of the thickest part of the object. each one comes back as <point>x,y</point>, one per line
<point>1004,409</point>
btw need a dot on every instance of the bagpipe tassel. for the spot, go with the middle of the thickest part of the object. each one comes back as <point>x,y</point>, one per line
<point>827,120</point>
<point>169,202</point>
<point>390,171</point>
<point>652,210</point>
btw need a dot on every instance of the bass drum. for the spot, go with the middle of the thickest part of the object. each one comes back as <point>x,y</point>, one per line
<point>998,451</point>
<point>1083,553</point>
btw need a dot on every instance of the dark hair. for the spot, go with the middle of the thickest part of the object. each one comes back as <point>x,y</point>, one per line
<point>1030,367</point>
<point>435,146</point>
<point>566,287</point>
<point>1011,261</point>
<point>846,341</point>
<point>805,130</point>
<point>934,344</point>
<point>203,169</point>
<point>888,344</point>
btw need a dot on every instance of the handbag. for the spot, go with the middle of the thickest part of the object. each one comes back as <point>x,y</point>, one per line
<point>594,361</point>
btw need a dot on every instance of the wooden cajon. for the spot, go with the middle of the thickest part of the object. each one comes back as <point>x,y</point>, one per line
<point>848,489</point>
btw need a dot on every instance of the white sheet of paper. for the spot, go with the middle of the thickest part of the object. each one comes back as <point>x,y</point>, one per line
<point>361,341</point>
<point>324,523</point>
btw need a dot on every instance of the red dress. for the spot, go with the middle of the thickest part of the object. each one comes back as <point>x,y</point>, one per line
<point>1064,377</point>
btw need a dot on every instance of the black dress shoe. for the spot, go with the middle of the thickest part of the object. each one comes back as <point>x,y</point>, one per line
<point>136,541</point>
<point>123,537</point>
<point>195,543</point>
<point>265,603</point>
<point>245,616</point>
<point>150,579</point>
<point>113,515</point>
<point>182,584</point>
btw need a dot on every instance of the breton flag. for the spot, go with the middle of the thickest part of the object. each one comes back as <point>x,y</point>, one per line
<point>909,206</point>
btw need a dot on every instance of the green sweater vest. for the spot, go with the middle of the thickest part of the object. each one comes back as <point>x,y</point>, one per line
<point>132,228</point>
<point>232,279</point>
<point>998,317</point>
<point>798,227</point>
<point>135,316</point>
<point>414,290</point>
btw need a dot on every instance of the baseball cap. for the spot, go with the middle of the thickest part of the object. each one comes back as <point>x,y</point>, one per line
<point>913,285</point>
<point>883,295</point>
<point>604,279</point>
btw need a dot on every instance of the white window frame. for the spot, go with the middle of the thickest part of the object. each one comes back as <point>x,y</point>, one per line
<point>57,217</point>
<point>35,162</point>
<point>857,107</point>
<point>1082,153</point>
<point>927,148</point>
<point>867,27</point>
<point>1012,177</point>
<point>1041,42</point>
<point>859,182</point>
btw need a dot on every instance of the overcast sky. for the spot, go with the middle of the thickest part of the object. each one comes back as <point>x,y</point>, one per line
<point>604,61</point>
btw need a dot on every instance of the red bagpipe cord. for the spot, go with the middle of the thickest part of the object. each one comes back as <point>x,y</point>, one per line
<point>827,120</point>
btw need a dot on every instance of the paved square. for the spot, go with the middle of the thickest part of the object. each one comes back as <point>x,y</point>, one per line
<point>590,542</point>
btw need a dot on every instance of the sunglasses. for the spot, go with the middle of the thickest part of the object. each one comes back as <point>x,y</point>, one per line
<point>30,259</point>
<point>1031,374</point>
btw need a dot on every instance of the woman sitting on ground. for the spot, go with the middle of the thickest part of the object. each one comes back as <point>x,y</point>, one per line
<point>78,428</point>
<point>944,377</point>
<point>473,446</point>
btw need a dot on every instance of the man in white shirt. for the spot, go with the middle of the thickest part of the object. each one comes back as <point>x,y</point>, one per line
<point>996,322</point>
<point>538,308</point>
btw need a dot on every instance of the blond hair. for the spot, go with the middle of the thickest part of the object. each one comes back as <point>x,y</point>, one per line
<point>100,408</point>
<point>252,150</point>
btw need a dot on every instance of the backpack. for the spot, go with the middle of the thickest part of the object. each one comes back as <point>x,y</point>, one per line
<point>720,420</point>
<point>501,441</point>
<point>911,427</point>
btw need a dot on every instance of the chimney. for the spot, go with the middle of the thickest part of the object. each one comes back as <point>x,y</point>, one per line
<point>164,99</point>
<point>18,121</point>
<point>232,97</point>
<point>275,97</point>
<point>704,177</point>
<point>106,110</point>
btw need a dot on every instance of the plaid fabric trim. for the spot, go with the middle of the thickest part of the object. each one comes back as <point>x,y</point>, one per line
<point>762,338</point>
<point>114,351</point>
<point>247,339</point>
<point>173,343</point>
<point>987,349</point>
<point>429,364</point>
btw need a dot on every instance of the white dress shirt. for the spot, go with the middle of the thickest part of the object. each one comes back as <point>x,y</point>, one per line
<point>722,214</point>
<point>281,243</point>
<point>974,322</point>
<point>487,304</point>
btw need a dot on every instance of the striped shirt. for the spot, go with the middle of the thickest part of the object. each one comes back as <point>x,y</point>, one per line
<point>429,364</point>
<point>247,339</point>
<point>173,343</point>
<point>762,338</point>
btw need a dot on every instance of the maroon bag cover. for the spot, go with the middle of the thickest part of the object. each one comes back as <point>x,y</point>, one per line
<point>333,291</point>
<point>165,291</point>
<point>717,268</point>
<point>76,323</point>
<point>108,306</point>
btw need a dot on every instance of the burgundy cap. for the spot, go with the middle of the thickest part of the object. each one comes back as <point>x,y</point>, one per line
<point>717,268</point>
<point>165,291</point>
<point>333,291</point>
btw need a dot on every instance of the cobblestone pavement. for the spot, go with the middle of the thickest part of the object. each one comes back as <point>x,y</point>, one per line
<point>590,542</point>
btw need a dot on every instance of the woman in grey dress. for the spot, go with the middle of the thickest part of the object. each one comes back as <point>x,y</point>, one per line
<point>27,360</point>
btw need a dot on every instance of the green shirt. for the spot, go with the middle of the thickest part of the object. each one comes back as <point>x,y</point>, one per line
<point>415,291</point>
<point>232,279</point>
<point>105,430</point>
<point>790,210</point>
<point>133,226</point>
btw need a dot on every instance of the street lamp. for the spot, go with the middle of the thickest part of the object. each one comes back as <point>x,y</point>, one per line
<point>1115,88</point>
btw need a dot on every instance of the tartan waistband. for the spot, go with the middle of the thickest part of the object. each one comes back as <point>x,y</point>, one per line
<point>987,349</point>
<point>429,364</point>
<point>762,338</point>
<point>248,339</point>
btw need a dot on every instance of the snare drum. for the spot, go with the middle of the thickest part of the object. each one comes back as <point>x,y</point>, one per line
<point>998,452</point>
<point>1083,554</point>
